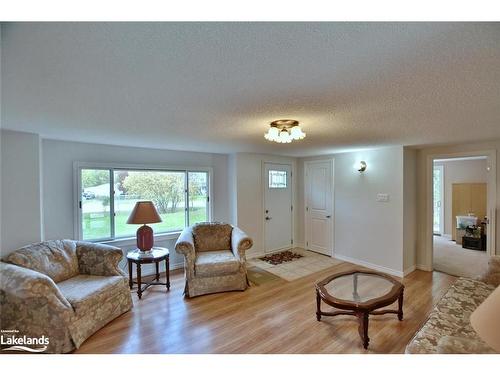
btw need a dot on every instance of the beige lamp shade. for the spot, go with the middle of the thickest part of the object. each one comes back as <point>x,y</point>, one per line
<point>486,320</point>
<point>144,213</point>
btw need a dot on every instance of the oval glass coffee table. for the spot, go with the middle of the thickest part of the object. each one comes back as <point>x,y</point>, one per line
<point>359,293</point>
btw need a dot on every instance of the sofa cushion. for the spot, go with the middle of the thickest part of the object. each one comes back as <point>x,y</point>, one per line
<point>56,259</point>
<point>461,345</point>
<point>212,236</point>
<point>216,263</point>
<point>451,316</point>
<point>84,292</point>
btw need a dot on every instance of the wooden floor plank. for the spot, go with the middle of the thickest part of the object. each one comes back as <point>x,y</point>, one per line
<point>276,317</point>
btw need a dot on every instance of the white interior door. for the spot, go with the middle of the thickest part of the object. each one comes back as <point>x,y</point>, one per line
<point>277,207</point>
<point>319,206</point>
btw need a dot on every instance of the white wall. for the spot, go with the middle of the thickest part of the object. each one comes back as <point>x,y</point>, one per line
<point>459,171</point>
<point>424,201</point>
<point>409,209</point>
<point>58,184</point>
<point>248,195</point>
<point>21,190</point>
<point>233,189</point>
<point>366,231</point>
<point>1,125</point>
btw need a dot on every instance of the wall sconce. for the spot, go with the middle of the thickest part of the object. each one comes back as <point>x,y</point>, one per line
<point>362,167</point>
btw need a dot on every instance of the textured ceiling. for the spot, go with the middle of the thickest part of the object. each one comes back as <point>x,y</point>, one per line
<point>216,86</point>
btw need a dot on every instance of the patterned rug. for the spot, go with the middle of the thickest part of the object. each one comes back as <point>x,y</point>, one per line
<point>283,257</point>
<point>309,263</point>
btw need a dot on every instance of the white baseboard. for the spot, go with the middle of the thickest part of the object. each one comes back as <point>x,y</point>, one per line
<point>410,270</point>
<point>424,267</point>
<point>375,267</point>
<point>254,254</point>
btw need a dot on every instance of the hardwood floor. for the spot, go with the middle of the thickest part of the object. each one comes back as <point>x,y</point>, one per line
<point>276,317</point>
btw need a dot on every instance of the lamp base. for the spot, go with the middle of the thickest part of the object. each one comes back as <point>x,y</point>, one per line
<point>145,239</point>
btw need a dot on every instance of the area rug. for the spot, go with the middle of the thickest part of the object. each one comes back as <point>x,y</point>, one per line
<point>282,257</point>
<point>309,263</point>
<point>258,276</point>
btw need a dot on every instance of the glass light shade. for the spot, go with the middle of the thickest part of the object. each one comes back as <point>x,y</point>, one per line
<point>273,132</point>
<point>285,137</point>
<point>297,133</point>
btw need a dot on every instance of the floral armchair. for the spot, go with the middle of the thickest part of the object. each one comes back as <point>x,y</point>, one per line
<point>214,256</point>
<point>63,290</point>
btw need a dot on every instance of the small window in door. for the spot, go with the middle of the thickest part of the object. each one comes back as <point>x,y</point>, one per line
<point>277,179</point>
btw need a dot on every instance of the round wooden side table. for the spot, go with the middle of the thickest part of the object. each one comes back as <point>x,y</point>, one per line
<point>156,255</point>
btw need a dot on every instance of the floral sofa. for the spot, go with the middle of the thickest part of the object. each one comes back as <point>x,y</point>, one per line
<point>63,290</point>
<point>448,329</point>
<point>214,258</point>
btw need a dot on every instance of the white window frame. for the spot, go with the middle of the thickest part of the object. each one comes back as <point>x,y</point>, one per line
<point>441,208</point>
<point>78,166</point>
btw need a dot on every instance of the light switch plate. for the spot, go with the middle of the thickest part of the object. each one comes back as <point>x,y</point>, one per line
<point>382,197</point>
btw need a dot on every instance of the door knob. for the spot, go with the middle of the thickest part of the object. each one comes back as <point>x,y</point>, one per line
<point>268,218</point>
<point>328,216</point>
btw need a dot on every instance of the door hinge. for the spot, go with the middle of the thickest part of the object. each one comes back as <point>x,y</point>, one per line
<point>291,208</point>
<point>307,243</point>
<point>80,204</point>
<point>291,241</point>
<point>307,208</point>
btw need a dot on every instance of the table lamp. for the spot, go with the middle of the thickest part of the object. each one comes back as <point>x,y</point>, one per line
<point>144,213</point>
<point>485,320</point>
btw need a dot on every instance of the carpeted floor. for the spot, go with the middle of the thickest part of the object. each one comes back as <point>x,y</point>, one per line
<point>452,259</point>
<point>309,263</point>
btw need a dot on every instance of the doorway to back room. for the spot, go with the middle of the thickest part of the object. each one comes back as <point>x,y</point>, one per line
<point>460,220</point>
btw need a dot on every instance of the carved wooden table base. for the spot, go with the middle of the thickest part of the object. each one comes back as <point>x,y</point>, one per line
<point>362,310</point>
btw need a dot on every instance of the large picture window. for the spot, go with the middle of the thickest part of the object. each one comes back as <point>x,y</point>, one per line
<point>108,195</point>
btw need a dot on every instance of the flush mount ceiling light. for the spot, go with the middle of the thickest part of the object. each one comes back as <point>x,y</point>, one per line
<point>284,131</point>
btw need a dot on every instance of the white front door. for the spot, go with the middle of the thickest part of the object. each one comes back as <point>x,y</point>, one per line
<point>319,206</point>
<point>277,207</point>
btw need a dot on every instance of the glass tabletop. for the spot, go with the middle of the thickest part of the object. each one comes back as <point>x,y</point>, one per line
<point>359,287</point>
<point>156,252</point>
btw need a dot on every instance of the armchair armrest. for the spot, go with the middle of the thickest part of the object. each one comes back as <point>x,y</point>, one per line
<point>185,246</point>
<point>31,303</point>
<point>98,259</point>
<point>27,290</point>
<point>492,273</point>
<point>240,243</point>
<point>185,243</point>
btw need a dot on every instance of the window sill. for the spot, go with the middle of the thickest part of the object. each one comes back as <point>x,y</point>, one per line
<point>132,240</point>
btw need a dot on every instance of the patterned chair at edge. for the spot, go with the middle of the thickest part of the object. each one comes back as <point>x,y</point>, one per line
<point>64,290</point>
<point>214,258</point>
